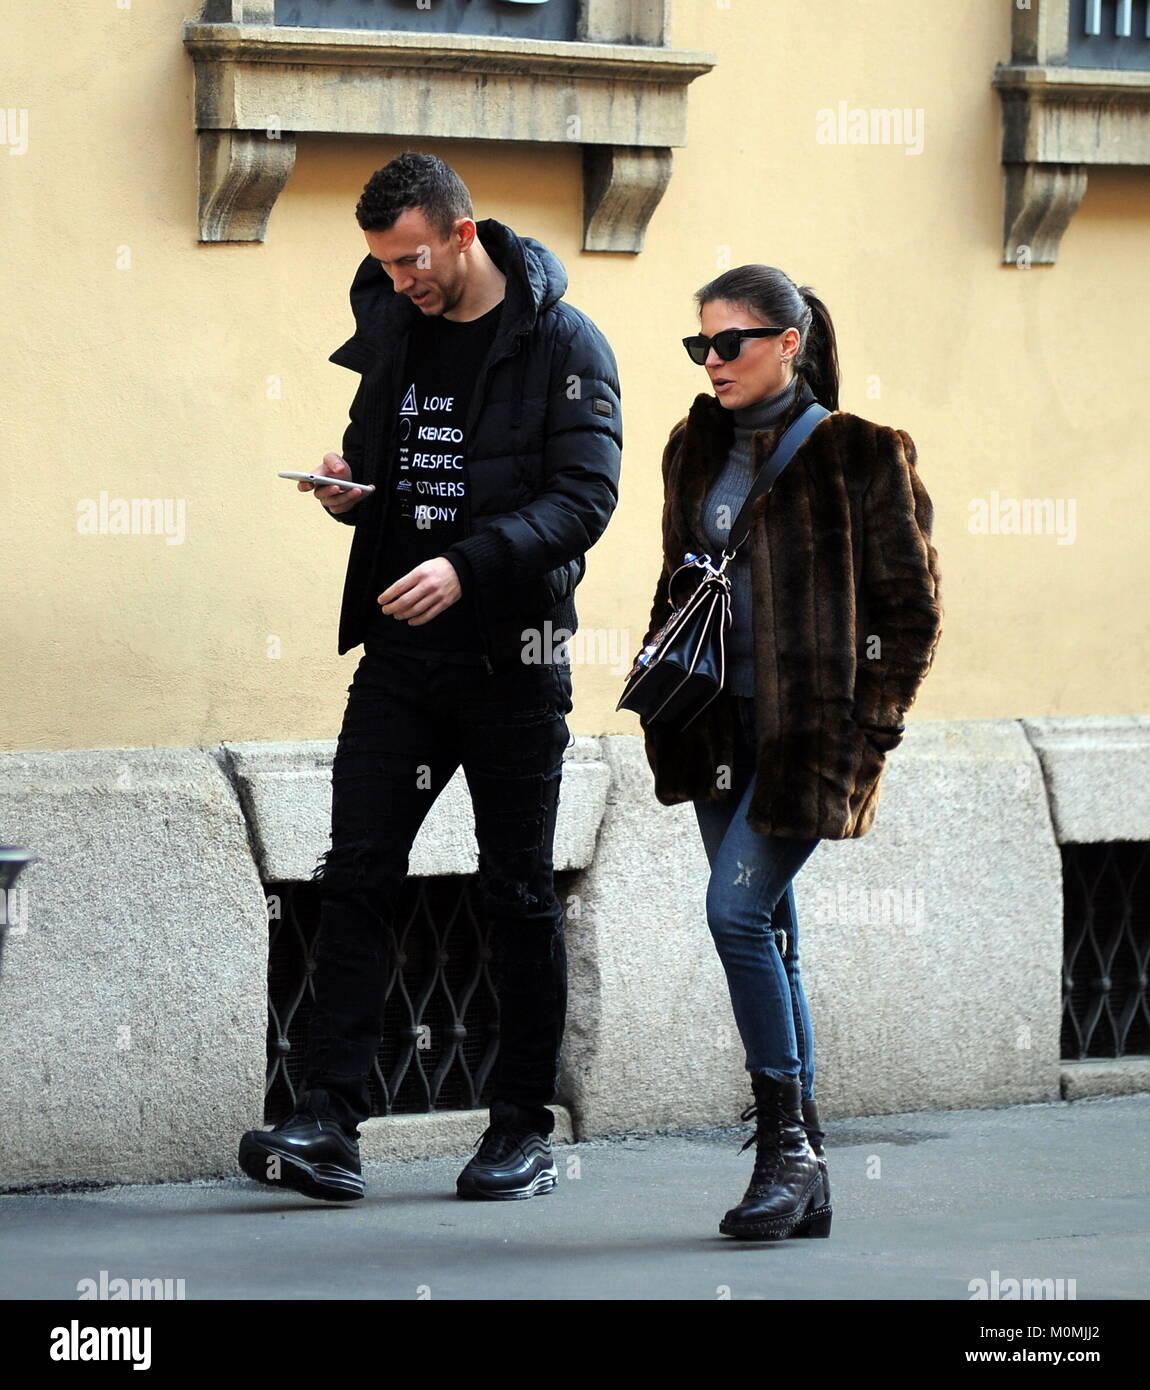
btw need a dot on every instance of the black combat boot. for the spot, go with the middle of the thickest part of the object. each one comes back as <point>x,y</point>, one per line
<point>782,1198</point>
<point>819,1222</point>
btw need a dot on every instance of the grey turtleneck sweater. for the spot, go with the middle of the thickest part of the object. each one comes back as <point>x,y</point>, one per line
<point>720,508</point>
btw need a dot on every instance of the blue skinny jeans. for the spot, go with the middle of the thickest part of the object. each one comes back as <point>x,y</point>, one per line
<point>752,917</point>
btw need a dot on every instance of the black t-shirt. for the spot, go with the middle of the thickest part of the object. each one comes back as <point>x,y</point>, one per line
<point>426,510</point>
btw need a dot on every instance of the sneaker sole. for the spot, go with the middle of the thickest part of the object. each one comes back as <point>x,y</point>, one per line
<point>326,1182</point>
<point>539,1184</point>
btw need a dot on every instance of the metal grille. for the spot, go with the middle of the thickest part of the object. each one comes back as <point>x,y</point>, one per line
<point>1109,34</point>
<point>1106,950</point>
<point>440,1015</point>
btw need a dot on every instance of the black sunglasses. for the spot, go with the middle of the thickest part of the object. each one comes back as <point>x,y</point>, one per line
<point>727,344</point>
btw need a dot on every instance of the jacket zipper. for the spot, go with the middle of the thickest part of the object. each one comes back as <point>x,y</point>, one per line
<point>476,602</point>
<point>386,480</point>
<point>473,411</point>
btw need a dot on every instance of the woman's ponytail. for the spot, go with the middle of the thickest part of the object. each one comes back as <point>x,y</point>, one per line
<point>818,358</point>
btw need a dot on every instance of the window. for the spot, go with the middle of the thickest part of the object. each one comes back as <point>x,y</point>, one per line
<point>535,19</point>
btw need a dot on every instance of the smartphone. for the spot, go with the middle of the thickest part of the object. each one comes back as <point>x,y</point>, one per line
<point>321,480</point>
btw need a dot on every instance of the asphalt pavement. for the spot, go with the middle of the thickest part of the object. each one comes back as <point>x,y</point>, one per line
<point>926,1205</point>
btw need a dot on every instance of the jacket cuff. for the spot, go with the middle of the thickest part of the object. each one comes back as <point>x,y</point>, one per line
<point>486,557</point>
<point>458,561</point>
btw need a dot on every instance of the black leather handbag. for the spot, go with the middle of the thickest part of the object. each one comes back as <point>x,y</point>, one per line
<point>683,667</point>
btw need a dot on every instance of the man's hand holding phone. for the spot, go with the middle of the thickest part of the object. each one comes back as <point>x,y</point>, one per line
<point>335,499</point>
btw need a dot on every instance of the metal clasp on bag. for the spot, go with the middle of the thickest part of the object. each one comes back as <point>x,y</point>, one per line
<point>703,562</point>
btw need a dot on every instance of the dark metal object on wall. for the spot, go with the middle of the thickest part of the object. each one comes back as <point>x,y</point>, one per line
<point>1106,950</point>
<point>440,1012</point>
<point>12,861</point>
<point>550,19</point>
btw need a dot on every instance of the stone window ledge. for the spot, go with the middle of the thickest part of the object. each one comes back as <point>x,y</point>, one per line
<point>1058,123</point>
<point>258,85</point>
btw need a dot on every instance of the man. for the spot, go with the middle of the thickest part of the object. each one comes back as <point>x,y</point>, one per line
<point>487,421</point>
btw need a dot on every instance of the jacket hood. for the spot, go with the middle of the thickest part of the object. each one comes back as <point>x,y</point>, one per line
<point>536,279</point>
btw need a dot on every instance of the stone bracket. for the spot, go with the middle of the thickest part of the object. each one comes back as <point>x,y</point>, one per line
<point>1058,123</point>
<point>241,174</point>
<point>621,189</point>
<point>259,86</point>
<point>1040,201</point>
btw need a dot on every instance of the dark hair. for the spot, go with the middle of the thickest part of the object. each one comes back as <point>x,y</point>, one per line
<point>776,299</point>
<point>413,181</point>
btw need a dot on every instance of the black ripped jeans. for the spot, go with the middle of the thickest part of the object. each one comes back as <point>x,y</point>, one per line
<point>410,723</point>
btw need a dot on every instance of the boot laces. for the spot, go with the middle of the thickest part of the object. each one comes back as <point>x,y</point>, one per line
<point>762,1112</point>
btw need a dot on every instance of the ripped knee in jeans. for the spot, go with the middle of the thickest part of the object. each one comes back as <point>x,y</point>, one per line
<point>510,893</point>
<point>357,867</point>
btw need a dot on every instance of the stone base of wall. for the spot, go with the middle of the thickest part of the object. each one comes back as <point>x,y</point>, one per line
<point>132,1004</point>
<point>1123,1077</point>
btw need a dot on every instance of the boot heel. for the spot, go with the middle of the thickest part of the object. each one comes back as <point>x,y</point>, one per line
<point>818,1226</point>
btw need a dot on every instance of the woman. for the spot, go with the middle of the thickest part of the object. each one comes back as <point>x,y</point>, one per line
<point>835,620</point>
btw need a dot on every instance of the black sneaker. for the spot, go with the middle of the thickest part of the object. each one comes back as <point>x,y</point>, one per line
<point>514,1160</point>
<point>309,1152</point>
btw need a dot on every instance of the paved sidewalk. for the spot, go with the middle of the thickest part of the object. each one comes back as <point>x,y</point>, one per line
<point>924,1204</point>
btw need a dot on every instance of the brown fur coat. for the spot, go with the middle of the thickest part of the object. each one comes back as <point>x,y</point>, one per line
<point>835,669</point>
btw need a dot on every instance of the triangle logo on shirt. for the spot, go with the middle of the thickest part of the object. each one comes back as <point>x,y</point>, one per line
<point>409,407</point>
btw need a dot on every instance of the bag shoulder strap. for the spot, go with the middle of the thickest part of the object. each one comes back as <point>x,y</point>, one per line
<point>768,474</point>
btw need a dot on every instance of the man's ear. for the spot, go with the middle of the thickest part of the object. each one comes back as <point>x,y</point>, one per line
<point>463,232</point>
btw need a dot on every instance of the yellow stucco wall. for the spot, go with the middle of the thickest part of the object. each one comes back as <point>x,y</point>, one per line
<point>143,364</point>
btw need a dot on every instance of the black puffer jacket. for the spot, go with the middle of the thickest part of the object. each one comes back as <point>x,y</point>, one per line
<point>545,441</point>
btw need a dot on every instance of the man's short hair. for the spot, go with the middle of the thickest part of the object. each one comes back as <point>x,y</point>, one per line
<point>414,181</point>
